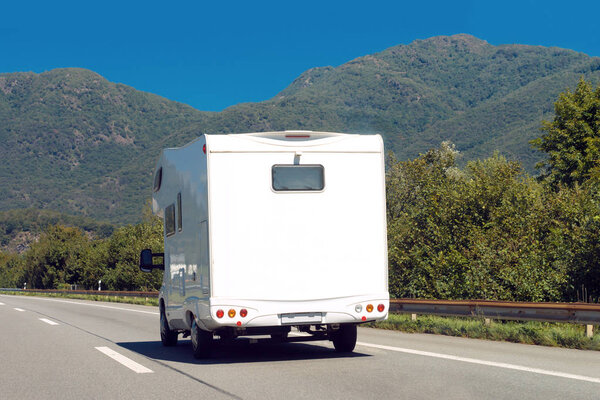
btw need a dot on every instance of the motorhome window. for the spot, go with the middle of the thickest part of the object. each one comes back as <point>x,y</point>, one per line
<point>158,179</point>
<point>170,220</point>
<point>297,177</point>
<point>179,218</point>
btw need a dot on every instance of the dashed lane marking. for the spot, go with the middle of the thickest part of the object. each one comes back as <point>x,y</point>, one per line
<point>483,362</point>
<point>129,363</point>
<point>19,309</point>
<point>48,321</point>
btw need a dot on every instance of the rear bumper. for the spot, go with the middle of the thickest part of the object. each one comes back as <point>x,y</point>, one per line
<point>269,313</point>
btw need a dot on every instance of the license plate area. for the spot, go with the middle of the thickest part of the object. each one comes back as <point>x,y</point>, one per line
<point>301,318</point>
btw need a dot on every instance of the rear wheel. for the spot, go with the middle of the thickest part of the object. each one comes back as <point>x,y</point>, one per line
<point>167,336</point>
<point>201,341</point>
<point>344,339</point>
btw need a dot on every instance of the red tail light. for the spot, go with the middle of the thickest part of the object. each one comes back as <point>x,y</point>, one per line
<point>380,308</point>
<point>243,312</point>
<point>364,318</point>
<point>220,313</point>
<point>204,148</point>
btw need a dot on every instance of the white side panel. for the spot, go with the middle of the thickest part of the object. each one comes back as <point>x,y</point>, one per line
<point>186,251</point>
<point>297,246</point>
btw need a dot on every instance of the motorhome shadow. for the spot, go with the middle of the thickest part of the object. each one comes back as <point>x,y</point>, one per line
<point>238,351</point>
<point>268,231</point>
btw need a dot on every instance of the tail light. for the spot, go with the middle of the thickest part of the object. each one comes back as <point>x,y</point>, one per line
<point>369,307</point>
<point>231,313</point>
<point>220,313</point>
<point>380,308</point>
<point>243,312</point>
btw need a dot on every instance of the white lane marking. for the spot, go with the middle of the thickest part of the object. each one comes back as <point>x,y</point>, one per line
<point>48,321</point>
<point>92,305</point>
<point>483,362</point>
<point>19,309</point>
<point>1,304</point>
<point>129,363</point>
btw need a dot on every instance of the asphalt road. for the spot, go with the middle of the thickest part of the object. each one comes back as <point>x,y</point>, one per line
<point>67,349</point>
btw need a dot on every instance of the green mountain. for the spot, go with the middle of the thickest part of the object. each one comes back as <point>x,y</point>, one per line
<point>76,143</point>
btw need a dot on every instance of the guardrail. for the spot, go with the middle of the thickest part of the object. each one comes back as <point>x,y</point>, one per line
<point>578,313</point>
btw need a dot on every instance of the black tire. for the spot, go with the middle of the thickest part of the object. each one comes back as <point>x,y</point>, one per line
<point>344,339</point>
<point>167,336</point>
<point>201,341</point>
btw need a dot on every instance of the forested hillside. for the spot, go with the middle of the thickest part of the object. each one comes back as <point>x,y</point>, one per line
<point>76,143</point>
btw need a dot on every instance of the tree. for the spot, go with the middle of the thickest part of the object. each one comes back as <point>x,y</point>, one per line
<point>56,258</point>
<point>572,139</point>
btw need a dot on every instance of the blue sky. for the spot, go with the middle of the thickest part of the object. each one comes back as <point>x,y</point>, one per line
<point>212,55</point>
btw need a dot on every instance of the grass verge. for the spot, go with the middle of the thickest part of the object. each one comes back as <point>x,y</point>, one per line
<point>571,336</point>
<point>144,301</point>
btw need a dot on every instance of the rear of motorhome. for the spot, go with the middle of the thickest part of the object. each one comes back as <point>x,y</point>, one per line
<point>268,231</point>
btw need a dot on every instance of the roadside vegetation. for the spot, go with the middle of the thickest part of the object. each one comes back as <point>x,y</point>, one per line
<point>64,256</point>
<point>491,231</point>
<point>571,336</point>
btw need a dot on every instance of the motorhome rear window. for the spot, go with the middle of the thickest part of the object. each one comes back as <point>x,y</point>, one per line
<point>297,177</point>
<point>170,220</point>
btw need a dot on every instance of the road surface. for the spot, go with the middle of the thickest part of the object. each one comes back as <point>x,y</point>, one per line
<point>73,349</point>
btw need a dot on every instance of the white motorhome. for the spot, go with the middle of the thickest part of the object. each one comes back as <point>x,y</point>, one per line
<point>268,231</point>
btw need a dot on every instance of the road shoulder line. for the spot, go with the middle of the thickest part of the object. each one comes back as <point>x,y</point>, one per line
<point>483,362</point>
